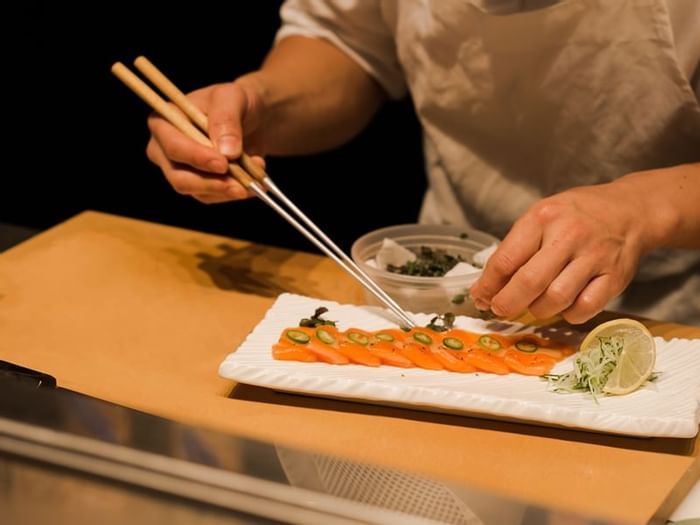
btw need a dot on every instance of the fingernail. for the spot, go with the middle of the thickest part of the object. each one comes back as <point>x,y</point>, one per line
<point>481,305</point>
<point>496,310</point>
<point>217,166</point>
<point>229,146</point>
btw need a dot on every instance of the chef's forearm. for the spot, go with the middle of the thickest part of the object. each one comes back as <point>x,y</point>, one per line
<point>313,96</point>
<point>669,205</point>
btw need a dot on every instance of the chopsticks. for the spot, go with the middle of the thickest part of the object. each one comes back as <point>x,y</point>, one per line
<point>244,170</point>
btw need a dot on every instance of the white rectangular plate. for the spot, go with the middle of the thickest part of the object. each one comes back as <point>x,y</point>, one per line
<point>669,407</point>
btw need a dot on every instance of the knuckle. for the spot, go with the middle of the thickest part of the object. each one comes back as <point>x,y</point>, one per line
<point>205,199</point>
<point>205,161</point>
<point>585,307</point>
<point>577,234</point>
<point>557,296</point>
<point>483,291</point>
<point>553,301</point>
<point>588,302</point>
<point>479,291</point>
<point>502,263</point>
<point>546,210</point>
<point>180,184</point>
<point>151,151</point>
<point>167,148</point>
<point>222,89</point>
<point>530,279</point>
<point>215,187</point>
<point>600,258</point>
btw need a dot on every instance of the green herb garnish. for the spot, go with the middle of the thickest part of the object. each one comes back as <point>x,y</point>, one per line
<point>428,263</point>
<point>459,298</point>
<point>442,323</point>
<point>315,320</point>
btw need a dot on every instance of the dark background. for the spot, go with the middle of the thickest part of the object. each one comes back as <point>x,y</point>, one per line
<point>83,134</point>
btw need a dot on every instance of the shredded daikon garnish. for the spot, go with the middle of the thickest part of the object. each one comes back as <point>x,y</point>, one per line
<point>591,368</point>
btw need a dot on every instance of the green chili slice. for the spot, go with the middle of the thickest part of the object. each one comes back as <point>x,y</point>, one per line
<point>489,342</point>
<point>385,337</point>
<point>297,336</point>
<point>358,338</point>
<point>453,343</point>
<point>526,346</point>
<point>423,338</point>
<point>325,336</point>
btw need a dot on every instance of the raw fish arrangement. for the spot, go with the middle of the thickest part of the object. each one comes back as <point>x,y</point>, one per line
<point>436,348</point>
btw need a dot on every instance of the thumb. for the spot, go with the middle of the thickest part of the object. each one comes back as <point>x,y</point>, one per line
<point>227,107</point>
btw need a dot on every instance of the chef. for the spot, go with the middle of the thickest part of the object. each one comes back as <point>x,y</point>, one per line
<point>569,128</point>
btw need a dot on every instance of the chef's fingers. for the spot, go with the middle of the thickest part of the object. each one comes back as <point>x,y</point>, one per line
<point>521,243</point>
<point>591,300</point>
<point>178,147</point>
<point>187,181</point>
<point>227,107</point>
<point>534,276</point>
<point>260,161</point>
<point>564,289</point>
<point>211,198</point>
<point>225,196</point>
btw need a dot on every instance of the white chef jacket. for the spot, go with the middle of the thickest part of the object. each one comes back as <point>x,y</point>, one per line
<point>521,99</point>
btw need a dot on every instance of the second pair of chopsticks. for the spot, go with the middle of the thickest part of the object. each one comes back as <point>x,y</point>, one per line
<point>244,170</point>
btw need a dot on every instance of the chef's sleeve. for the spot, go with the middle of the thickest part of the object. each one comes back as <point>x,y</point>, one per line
<point>357,27</point>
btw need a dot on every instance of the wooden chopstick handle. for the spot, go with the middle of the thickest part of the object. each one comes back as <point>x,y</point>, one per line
<point>168,112</point>
<point>152,73</point>
<point>171,91</point>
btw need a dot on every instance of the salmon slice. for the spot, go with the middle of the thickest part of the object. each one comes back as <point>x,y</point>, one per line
<point>531,343</point>
<point>398,336</point>
<point>421,356</point>
<point>286,339</point>
<point>422,336</point>
<point>467,338</point>
<point>390,354</point>
<point>485,360</point>
<point>358,354</point>
<point>356,336</point>
<point>292,352</point>
<point>494,342</point>
<point>326,353</point>
<point>557,355</point>
<point>533,364</point>
<point>450,361</point>
<point>322,351</point>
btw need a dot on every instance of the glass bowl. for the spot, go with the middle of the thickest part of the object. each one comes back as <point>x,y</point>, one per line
<point>416,294</point>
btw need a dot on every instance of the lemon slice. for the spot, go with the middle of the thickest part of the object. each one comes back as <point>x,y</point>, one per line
<point>637,357</point>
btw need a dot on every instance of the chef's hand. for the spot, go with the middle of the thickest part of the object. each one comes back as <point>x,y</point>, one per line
<point>569,254</point>
<point>193,169</point>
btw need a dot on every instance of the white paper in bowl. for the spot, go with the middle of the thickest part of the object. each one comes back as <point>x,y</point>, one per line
<point>669,407</point>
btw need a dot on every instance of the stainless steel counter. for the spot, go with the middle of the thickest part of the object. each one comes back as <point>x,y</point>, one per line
<point>69,458</point>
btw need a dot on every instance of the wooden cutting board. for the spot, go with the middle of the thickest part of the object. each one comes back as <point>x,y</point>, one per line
<point>141,314</point>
